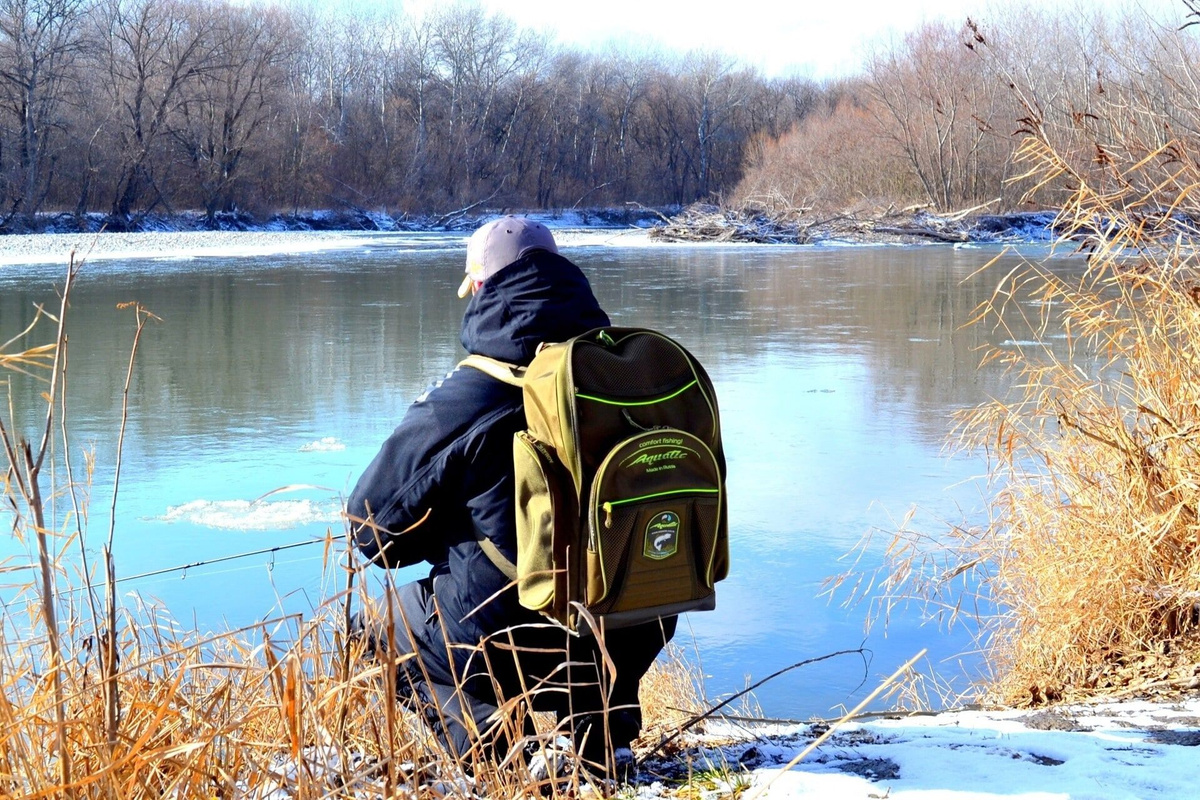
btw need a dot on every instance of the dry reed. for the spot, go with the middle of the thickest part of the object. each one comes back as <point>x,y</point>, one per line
<point>1085,580</point>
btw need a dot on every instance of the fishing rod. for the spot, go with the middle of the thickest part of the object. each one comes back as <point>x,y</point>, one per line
<point>206,562</point>
<point>249,553</point>
<point>221,559</point>
<point>182,567</point>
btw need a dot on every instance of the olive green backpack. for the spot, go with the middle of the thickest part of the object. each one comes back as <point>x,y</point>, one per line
<point>620,480</point>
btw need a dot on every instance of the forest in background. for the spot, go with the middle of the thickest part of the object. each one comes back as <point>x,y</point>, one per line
<point>127,107</point>
<point>131,106</point>
<point>938,116</point>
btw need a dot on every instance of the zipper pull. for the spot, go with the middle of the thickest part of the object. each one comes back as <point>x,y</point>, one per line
<point>607,515</point>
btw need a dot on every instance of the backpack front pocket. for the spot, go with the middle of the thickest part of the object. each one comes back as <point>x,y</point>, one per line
<point>654,520</point>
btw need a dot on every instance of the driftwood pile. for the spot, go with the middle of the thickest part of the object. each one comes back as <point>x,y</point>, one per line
<point>706,223</point>
<point>703,223</point>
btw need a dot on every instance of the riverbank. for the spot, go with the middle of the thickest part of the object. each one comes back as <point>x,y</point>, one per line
<point>1131,749</point>
<point>46,248</point>
<point>697,223</point>
<point>182,236</point>
<point>325,220</point>
<point>55,248</point>
<point>51,248</point>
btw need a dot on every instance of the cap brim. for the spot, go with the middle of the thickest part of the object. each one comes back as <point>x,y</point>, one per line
<point>465,289</point>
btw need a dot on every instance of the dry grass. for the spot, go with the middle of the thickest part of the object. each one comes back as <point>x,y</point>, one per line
<point>286,708</point>
<point>670,696</point>
<point>1086,579</point>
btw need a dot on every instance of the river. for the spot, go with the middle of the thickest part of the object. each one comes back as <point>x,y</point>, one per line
<point>838,372</point>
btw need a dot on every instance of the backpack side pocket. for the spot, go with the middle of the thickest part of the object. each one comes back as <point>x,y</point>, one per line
<point>546,519</point>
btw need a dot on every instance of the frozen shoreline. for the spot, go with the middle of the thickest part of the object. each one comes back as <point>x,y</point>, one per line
<point>47,248</point>
<point>56,248</point>
<point>1131,749</point>
<point>50,248</point>
<point>172,238</point>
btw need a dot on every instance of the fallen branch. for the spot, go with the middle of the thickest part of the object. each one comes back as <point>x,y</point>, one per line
<point>454,216</point>
<point>929,233</point>
<point>711,711</point>
<point>782,225</point>
<point>895,676</point>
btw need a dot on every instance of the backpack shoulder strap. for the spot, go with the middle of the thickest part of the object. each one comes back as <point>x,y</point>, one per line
<point>498,559</point>
<point>501,371</point>
<point>513,376</point>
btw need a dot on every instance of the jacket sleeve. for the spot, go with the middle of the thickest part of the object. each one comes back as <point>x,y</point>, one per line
<point>404,486</point>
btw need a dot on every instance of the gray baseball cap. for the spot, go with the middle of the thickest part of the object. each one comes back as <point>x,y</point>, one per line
<point>501,242</point>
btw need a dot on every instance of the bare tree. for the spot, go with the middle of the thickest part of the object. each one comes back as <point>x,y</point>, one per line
<point>128,106</point>
<point>297,140</point>
<point>150,50</point>
<point>715,89</point>
<point>39,42</point>
<point>224,109</point>
<point>938,108</point>
<point>630,77</point>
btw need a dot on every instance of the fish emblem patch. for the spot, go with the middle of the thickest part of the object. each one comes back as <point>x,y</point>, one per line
<point>662,536</point>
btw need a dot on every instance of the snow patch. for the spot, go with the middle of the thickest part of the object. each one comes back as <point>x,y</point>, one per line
<point>326,444</point>
<point>1116,750</point>
<point>247,515</point>
<point>51,248</point>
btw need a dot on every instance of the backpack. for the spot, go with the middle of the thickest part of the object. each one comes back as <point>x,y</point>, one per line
<point>620,480</point>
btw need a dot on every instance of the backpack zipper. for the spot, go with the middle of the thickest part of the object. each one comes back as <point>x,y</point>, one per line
<point>609,505</point>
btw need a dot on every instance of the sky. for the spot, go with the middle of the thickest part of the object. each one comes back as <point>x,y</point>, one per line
<point>811,38</point>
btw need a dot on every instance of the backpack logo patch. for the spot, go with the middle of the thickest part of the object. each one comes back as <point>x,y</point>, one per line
<point>662,536</point>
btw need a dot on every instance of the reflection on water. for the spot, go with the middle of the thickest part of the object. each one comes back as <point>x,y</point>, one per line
<point>837,372</point>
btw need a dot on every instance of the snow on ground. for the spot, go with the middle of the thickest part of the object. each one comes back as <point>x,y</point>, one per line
<point>49,248</point>
<point>44,248</point>
<point>1110,752</point>
<point>1115,751</point>
<point>570,231</point>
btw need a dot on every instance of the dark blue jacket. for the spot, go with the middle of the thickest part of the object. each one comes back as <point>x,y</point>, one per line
<point>452,452</point>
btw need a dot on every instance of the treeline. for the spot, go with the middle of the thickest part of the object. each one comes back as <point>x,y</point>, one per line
<point>131,106</point>
<point>938,116</point>
<point>127,107</point>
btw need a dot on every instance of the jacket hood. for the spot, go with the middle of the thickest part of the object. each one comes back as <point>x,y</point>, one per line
<point>541,297</point>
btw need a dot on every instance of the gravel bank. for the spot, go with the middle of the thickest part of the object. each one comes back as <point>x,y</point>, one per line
<point>46,248</point>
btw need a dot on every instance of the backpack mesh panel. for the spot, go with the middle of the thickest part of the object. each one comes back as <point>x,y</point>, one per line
<point>648,362</point>
<point>705,523</point>
<point>656,367</point>
<point>616,546</point>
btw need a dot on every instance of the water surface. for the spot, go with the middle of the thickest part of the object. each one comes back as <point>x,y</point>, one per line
<point>838,372</point>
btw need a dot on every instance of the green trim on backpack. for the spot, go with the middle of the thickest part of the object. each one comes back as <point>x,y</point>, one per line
<point>632,403</point>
